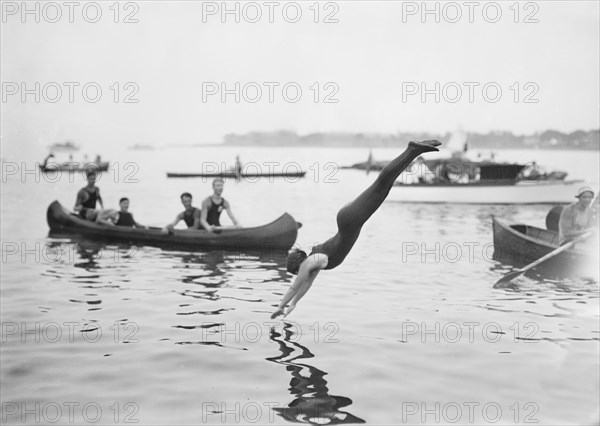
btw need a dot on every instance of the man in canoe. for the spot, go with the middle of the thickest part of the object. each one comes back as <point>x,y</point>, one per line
<point>350,220</point>
<point>125,218</point>
<point>87,197</point>
<point>577,218</point>
<point>191,215</point>
<point>213,206</point>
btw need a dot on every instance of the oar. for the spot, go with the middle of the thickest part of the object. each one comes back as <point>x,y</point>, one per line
<point>512,275</point>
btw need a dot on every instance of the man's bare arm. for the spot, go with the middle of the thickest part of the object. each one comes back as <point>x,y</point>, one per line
<point>178,218</point>
<point>204,215</point>
<point>197,220</point>
<point>81,198</point>
<point>230,213</point>
<point>100,198</point>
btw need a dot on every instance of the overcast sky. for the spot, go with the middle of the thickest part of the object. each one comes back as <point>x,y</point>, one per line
<point>377,58</point>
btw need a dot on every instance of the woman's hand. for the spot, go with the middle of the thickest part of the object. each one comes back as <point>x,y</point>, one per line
<point>278,312</point>
<point>290,309</point>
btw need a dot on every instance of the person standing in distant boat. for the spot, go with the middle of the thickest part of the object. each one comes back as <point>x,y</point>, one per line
<point>238,167</point>
<point>213,206</point>
<point>350,220</point>
<point>577,218</point>
<point>191,215</point>
<point>48,157</point>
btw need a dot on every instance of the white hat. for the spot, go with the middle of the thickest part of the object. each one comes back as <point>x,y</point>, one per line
<point>584,189</point>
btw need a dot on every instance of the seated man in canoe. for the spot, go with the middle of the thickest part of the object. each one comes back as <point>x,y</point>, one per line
<point>191,215</point>
<point>87,197</point>
<point>350,220</point>
<point>213,206</point>
<point>578,218</point>
<point>124,217</point>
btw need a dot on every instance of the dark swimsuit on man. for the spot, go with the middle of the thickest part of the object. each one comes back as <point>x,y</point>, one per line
<point>214,213</point>
<point>353,215</point>
<point>125,219</point>
<point>90,203</point>
<point>188,217</point>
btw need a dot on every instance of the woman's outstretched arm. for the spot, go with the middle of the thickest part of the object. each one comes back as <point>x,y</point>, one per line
<point>307,273</point>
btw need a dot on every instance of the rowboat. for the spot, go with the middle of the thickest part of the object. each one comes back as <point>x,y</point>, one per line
<point>64,147</point>
<point>279,234</point>
<point>520,244</point>
<point>234,175</point>
<point>142,147</point>
<point>73,166</point>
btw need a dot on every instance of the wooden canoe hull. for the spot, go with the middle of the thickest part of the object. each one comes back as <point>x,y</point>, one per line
<point>520,245</point>
<point>279,234</point>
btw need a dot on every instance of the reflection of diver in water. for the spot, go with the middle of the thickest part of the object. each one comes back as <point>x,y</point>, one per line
<point>313,404</point>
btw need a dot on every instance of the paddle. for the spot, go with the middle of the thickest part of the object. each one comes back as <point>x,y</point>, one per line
<point>512,275</point>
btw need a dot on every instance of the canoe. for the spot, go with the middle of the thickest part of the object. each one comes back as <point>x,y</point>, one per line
<point>73,166</point>
<point>233,175</point>
<point>520,192</point>
<point>279,234</point>
<point>520,244</point>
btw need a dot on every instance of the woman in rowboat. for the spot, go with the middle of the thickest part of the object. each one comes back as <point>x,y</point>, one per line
<point>350,220</point>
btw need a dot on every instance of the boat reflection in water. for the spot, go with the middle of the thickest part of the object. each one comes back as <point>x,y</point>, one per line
<point>313,404</point>
<point>69,249</point>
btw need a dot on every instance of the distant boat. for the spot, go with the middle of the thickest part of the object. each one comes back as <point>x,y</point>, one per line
<point>230,174</point>
<point>458,168</point>
<point>74,166</point>
<point>490,192</point>
<point>64,147</point>
<point>368,165</point>
<point>456,180</point>
<point>142,147</point>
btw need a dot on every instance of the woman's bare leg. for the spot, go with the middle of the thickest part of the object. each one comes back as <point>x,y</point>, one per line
<point>357,212</point>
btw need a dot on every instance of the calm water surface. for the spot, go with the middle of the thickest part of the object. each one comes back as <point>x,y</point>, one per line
<point>403,326</point>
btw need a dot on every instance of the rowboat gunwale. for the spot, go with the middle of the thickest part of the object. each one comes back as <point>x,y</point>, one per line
<point>505,225</point>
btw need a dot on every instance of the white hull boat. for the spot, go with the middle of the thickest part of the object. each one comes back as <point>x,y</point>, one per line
<point>522,192</point>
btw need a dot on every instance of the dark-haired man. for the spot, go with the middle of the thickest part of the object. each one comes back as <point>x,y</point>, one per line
<point>87,197</point>
<point>126,218</point>
<point>191,215</point>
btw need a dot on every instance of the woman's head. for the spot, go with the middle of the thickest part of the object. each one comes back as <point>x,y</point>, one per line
<point>585,195</point>
<point>294,260</point>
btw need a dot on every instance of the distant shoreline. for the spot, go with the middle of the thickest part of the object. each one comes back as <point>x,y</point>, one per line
<point>402,145</point>
<point>547,140</point>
